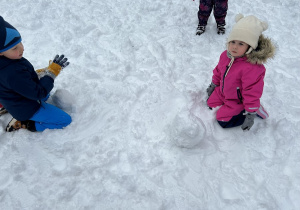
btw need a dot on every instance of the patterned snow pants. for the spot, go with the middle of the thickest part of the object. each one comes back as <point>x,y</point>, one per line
<point>206,6</point>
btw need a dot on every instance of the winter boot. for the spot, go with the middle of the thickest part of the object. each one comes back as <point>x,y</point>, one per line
<point>221,28</point>
<point>15,124</point>
<point>262,113</point>
<point>200,30</point>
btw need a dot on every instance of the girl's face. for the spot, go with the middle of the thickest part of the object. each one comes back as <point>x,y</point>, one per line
<point>237,48</point>
<point>14,53</point>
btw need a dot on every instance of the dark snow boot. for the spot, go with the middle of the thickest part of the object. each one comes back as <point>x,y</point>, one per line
<point>15,124</point>
<point>200,30</point>
<point>221,28</point>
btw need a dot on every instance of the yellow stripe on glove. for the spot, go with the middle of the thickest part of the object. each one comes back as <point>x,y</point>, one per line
<point>54,68</point>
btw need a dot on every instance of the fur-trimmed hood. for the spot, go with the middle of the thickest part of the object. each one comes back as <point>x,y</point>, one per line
<point>264,51</point>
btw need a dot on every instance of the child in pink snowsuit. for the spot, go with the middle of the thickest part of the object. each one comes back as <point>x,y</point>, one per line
<point>238,79</point>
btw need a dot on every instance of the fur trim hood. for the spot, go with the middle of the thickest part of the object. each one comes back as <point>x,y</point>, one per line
<point>264,51</point>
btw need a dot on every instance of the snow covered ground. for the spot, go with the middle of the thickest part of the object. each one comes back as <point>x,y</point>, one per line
<point>141,136</point>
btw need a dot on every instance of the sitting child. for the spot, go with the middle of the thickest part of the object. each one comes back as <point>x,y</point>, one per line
<point>238,79</point>
<point>22,91</point>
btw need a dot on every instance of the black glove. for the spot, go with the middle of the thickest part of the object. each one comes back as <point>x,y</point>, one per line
<point>210,89</point>
<point>61,60</point>
<point>249,120</point>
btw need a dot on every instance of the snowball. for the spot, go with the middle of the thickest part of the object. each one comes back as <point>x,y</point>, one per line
<point>186,131</point>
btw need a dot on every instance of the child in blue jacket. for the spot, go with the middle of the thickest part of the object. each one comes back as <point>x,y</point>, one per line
<point>23,91</point>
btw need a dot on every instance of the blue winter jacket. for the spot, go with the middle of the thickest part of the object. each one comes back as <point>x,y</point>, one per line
<point>20,88</point>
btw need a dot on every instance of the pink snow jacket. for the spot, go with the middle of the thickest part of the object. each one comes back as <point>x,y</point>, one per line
<point>243,83</point>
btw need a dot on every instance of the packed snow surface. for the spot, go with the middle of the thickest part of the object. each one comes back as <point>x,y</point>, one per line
<point>142,136</point>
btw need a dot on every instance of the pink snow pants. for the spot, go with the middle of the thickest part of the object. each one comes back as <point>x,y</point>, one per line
<point>228,109</point>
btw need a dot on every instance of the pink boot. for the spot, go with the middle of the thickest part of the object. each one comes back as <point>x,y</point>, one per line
<point>262,113</point>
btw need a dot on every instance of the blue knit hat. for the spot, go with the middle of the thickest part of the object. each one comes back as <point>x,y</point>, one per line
<point>9,36</point>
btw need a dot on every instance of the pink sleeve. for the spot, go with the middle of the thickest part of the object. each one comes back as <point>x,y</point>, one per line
<point>216,78</point>
<point>253,84</point>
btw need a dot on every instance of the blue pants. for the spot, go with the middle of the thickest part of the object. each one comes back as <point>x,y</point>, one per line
<point>51,117</point>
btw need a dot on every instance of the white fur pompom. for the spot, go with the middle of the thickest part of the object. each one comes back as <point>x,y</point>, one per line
<point>238,17</point>
<point>264,25</point>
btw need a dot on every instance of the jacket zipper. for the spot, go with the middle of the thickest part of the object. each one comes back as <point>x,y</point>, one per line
<point>227,67</point>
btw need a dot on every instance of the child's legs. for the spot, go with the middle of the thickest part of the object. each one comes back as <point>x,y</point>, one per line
<point>51,117</point>
<point>236,120</point>
<point>215,99</point>
<point>205,9</point>
<point>46,98</point>
<point>231,114</point>
<point>220,10</point>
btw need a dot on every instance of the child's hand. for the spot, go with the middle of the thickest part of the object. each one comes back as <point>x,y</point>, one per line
<point>61,61</point>
<point>55,66</point>
<point>210,89</point>
<point>41,72</point>
<point>249,120</point>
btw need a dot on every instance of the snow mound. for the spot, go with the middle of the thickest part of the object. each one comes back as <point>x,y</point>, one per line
<point>186,131</point>
<point>64,100</point>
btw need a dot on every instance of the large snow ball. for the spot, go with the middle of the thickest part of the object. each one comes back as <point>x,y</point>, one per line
<point>64,100</point>
<point>187,131</point>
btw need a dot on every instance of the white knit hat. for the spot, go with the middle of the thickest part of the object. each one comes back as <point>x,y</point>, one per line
<point>247,29</point>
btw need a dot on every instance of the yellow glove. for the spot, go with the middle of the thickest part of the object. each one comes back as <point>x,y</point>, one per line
<point>54,68</point>
<point>41,72</point>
